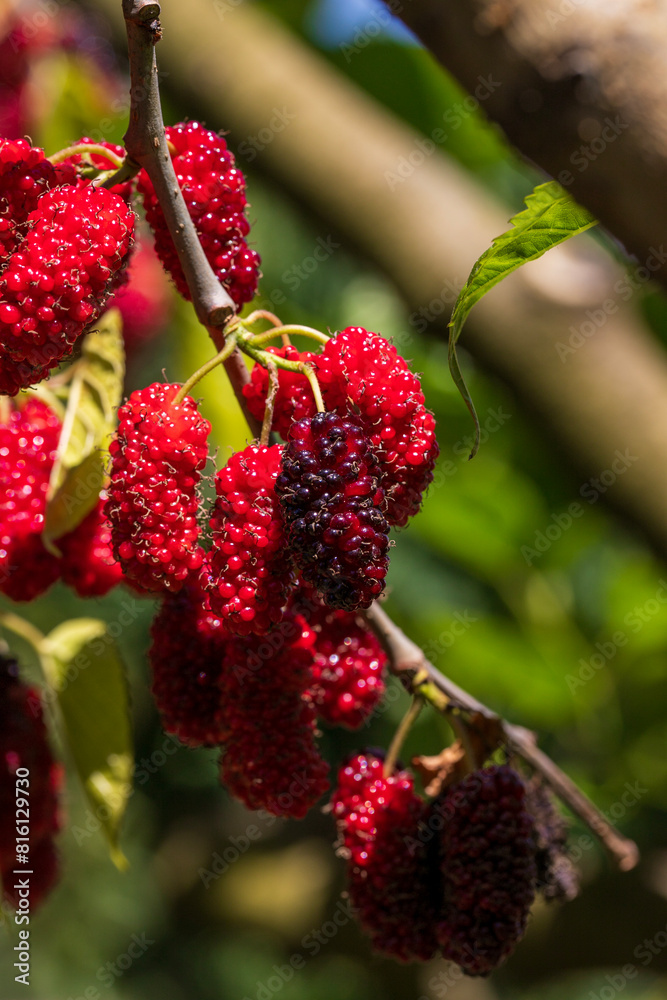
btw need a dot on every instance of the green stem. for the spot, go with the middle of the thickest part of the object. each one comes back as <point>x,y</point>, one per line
<point>125,172</point>
<point>86,147</point>
<point>400,735</point>
<point>293,328</point>
<point>309,372</point>
<point>264,358</point>
<point>265,436</point>
<point>19,626</point>
<point>221,357</point>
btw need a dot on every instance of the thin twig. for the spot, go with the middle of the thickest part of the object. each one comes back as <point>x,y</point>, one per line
<point>146,144</point>
<point>407,659</point>
<point>265,436</point>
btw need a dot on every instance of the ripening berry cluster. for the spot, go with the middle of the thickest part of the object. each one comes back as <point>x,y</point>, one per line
<point>28,448</point>
<point>30,783</point>
<point>66,243</point>
<point>454,877</point>
<point>259,633</point>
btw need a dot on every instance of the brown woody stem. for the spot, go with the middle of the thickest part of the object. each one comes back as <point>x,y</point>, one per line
<point>408,662</point>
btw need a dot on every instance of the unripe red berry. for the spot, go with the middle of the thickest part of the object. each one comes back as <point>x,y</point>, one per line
<point>157,457</point>
<point>390,879</point>
<point>334,510</point>
<point>250,570</point>
<point>58,278</point>
<point>367,369</point>
<point>28,446</point>
<point>186,658</point>
<point>88,564</point>
<point>271,760</point>
<point>487,854</point>
<point>214,192</point>
<point>348,662</point>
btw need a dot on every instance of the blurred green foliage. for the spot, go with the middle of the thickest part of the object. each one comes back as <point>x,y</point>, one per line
<point>560,626</point>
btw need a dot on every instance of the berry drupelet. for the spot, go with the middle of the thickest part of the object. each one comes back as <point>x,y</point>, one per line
<point>487,857</point>
<point>334,508</point>
<point>214,192</point>
<point>157,457</point>
<point>390,880</point>
<point>250,571</point>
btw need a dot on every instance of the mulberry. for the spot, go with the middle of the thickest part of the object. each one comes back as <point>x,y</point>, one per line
<point>488,868</point>
<point>186,658</point>
<point>88,564</point>
<point>157,458</point>
<point>28,444</point>
<point>58,278</point>
<point>214,192</point>
<point>334,510</point>
<point>271,760</point>
<point>250,573</point>
<point>390,880</point>
<point>294,399</point>
<point>369,370</point>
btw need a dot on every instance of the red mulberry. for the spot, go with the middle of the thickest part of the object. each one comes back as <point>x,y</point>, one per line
<point>251,574</point>
<point>294,400</point>
<point>348,663</point>
<point>370,371</point>
<point>214,192</point>
<point>28,446</point>
<point>157,458</point>
<point>58,278</point>
<point>488,868</point>
<point>271,760</point>
<point>88,564</point>
<point>24,745</point>
<point>186,659</point>
<point>389,876</point>
<point>334,510</point>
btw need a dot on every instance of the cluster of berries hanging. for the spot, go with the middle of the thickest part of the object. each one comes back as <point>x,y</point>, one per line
<point>259,637</point>
<point>456,876</point>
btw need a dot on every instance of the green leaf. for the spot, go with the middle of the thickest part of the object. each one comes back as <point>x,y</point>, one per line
<point>83,665</point>
<point>93,395</point>
<point>549,218</point>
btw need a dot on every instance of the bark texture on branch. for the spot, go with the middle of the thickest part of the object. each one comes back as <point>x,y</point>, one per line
<point>608,394</point>
<point>579,88</point>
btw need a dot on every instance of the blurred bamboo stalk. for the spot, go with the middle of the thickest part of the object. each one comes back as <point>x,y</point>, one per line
<point>563,332</point>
